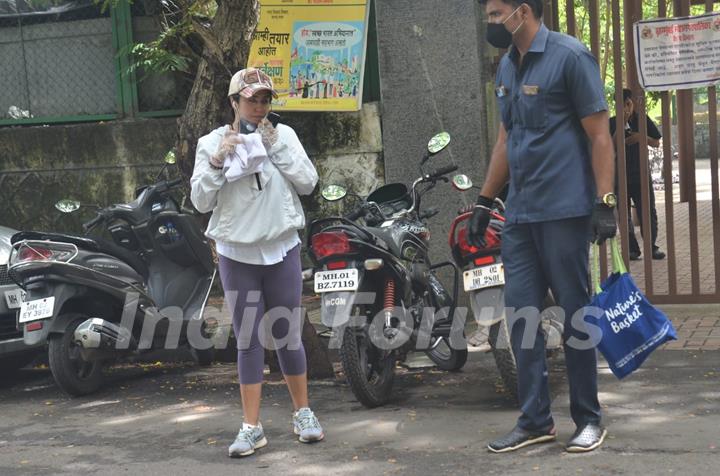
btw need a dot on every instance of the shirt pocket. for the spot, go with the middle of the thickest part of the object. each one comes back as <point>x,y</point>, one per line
<point>532,111</point>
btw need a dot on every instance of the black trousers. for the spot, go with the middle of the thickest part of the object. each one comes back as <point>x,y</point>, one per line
<point>635,196</point>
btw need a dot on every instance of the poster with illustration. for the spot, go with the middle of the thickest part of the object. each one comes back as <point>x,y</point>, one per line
<point>314,50</point>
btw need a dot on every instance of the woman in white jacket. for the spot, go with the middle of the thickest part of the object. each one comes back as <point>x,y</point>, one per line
<point>251,183</point>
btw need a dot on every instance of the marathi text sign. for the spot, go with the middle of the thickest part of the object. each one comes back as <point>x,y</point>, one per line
<point>314,50</point>
<point>678,53</point>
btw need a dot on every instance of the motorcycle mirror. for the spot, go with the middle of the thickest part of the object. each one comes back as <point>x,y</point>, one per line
<point>170,158</point>
<point>462,182</point>
<point>438,143</point>
<point>333,193</point>
<point>67,206</point>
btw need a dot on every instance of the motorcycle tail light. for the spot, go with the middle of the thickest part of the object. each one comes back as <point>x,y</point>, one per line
<point>484,260</point>
<point>34,254</point>
<point>42,251</point>
<point>331,243</point>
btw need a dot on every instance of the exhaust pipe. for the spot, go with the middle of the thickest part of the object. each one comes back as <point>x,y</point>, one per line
<point>96,333</point>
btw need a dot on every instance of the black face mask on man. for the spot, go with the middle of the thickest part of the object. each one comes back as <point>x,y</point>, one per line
<point>499,36</point>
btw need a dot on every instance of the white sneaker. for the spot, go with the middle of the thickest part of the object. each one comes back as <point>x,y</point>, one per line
<point>307,426</point>
<point>248,439</point>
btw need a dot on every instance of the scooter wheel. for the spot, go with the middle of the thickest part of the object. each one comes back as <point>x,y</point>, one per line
<point>73,374</point>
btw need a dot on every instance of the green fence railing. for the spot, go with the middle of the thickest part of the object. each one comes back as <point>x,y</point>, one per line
<point>70,67</point>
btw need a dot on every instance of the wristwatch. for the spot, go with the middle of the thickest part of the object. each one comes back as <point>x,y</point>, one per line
<point>609,200</point>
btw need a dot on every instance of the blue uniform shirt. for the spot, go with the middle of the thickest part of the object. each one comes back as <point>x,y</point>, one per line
<point>541,104</point>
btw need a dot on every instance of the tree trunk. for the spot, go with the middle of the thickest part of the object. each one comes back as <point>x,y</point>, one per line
<point>226,49</point>
<point>607,53</point>
<point>318,360</point>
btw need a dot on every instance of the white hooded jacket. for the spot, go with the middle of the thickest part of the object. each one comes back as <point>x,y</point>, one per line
<point>255,208</point>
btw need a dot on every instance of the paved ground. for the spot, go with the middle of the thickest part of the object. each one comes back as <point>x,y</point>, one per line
<point>698,327</point>
<point>157,419</point>
<point>177,419</point>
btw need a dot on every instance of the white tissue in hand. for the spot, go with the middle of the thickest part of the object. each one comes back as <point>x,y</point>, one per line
<point>248,158</point>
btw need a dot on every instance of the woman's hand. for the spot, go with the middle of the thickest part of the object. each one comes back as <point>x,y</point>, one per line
<point>268,132</point>
<point>230,140</point>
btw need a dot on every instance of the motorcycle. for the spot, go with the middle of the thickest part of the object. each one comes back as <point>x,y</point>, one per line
<point>94,300</point>
<point>484,282</point>
<point>386,256</point>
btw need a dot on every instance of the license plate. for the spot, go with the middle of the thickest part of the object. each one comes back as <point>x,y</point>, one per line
<point>14,298</point>
<point>37,309</point>
<point>484,277</point>
<point>337,280</point>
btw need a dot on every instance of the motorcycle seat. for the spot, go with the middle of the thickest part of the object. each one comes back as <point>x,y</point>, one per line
<point>88,243</point>
<point>132,212</point>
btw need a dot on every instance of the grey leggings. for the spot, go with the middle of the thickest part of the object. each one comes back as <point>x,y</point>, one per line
<point>266,314</point>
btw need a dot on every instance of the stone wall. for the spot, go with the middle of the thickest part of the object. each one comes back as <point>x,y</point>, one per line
<point>103,163</point>
<point>430,79</point>
<point>95,163</point>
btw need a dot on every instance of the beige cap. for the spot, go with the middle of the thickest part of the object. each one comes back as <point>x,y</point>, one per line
<point>249,81</point>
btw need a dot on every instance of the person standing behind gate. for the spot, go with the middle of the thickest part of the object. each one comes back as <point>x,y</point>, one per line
<point>632,172</point>
<point>554,146</point>
<point>252,192</point>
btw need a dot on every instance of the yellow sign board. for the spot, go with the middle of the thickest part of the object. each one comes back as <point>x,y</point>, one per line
<point>314,50</point>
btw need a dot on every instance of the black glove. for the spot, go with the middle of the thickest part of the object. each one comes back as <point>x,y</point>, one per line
<point>479,221</point>
<point>604,225</point>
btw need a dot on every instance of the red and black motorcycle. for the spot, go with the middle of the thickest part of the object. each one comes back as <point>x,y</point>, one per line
<point>484,282</point>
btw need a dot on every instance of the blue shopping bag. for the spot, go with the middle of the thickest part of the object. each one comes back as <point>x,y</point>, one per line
<point>631,327</point>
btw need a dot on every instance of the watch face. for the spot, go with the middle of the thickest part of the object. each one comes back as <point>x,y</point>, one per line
<point>610,199</point>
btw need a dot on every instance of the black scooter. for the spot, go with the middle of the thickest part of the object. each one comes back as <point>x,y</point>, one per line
<point>95,300</point>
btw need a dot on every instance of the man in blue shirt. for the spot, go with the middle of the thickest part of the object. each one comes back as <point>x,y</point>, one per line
<point>555,149</point>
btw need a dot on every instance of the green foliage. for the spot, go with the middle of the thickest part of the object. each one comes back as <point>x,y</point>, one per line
<point>157,57</point>
<point>154,59</point>
<point>167,52</point>
<point>203,8</point>
<point>607,41</point>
